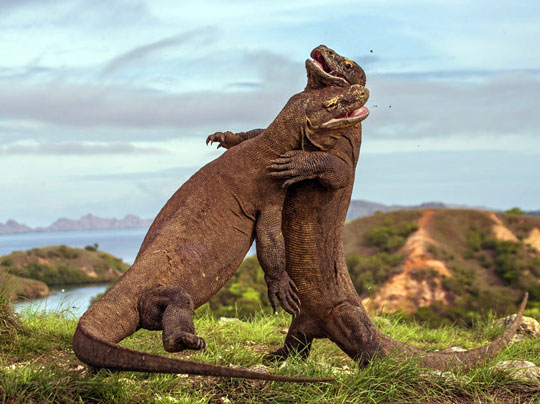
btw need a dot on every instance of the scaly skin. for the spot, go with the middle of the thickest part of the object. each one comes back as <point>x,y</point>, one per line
<point>313,217</point>
<point>199,239</point>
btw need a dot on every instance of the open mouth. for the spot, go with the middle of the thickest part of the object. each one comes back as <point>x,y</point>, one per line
<point>349,118</point>
<point>318,60</point>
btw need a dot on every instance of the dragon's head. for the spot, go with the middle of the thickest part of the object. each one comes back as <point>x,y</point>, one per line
<point>329,110</point>
<point>328,68</point>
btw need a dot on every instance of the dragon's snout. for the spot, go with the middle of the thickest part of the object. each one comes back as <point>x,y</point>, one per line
<point>360,92</point>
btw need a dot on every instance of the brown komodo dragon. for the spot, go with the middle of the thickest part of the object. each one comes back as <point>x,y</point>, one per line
<point>313,218</point>
<point>200,237</point>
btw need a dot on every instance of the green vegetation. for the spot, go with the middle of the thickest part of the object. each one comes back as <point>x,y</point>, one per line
<point>520,225</point>
<point>60,274</point>
<point>37,365</point>
<point>369,272</point>
<point>487,274</point>
<point>9,322</point>
<point>243,295</point>
<point>515,211</point>
<point>31,271</point>
<point>391,236</point>
<point>512,262</point>
<point>385,232</point>
<point>471,301</point>
<point>93,247</point>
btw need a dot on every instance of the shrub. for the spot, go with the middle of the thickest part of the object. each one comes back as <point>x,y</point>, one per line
<point>369,273</point>
<point>67,252</point>
<point>92,247</point>
<point>6,262</point>
<point>515,211</point>
<point>475,238</point>
<point>390,237</point>
<point>53,275</point>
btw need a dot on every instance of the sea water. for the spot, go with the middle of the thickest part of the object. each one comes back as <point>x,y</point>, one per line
<point>122,243</point>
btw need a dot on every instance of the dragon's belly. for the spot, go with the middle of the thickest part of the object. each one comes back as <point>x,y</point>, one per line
<point>313,220</point>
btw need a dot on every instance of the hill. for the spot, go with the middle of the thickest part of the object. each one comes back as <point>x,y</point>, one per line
<point>28,274</point>
<point>359,208</point>
<point>437,265</point>
<point>455,264</point>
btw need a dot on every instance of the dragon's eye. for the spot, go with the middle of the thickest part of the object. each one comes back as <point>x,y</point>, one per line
<point>348,64</point>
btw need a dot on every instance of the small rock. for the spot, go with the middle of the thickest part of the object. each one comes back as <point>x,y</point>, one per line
<point>225,400</point>
<point>446,376</point>
<point>341,370</point>
<point>451,349</point>
<point>259,369</point>
<point>522,370</point>
<point>229,320</point>
<point>284,331</point>
<point>249,343</point>
<point>518,338</point>
<point>528,325</point>
<point>454,349</point>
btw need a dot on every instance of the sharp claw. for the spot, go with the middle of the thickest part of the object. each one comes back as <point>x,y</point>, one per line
<point>293,287</point>
<point>219,145</point>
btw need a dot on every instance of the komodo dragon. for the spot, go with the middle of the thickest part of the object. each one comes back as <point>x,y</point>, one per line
<point>313,218</point>
<point>200,237</point>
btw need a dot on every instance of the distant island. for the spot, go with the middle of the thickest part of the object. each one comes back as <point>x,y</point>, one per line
<point>357,209</point>
<point>86,222</point>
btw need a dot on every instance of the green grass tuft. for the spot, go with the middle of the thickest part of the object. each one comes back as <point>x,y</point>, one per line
<point>37,365</point>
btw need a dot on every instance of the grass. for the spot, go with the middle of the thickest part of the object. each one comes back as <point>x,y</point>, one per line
<point>37,365</point>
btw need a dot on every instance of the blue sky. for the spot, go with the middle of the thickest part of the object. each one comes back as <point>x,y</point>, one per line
<point>105,105</point>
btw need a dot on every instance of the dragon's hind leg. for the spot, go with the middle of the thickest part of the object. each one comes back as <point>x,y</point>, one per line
<point>301,333</point>
<point>170,308</point>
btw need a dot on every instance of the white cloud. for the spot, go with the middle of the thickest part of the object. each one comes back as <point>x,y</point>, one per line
<point>143,51</point>
<point>455,73</point>
<point>75,148</point>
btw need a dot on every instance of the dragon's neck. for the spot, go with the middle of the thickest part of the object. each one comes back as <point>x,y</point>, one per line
<point>281,136</point>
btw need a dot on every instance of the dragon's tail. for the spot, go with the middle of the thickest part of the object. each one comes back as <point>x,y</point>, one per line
<point>465,359</point>
<point>99,353</point>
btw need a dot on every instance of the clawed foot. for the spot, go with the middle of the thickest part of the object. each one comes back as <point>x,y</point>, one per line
<point>224,139</point>
<point>294,166</point>
<point>284,353</point>
<point>283,290</point>
<point>183,340</point>
<point>279,355</point>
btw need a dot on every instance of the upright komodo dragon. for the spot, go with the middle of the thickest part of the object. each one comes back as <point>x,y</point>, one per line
<point>313,218</point>
<point>200,237</point>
